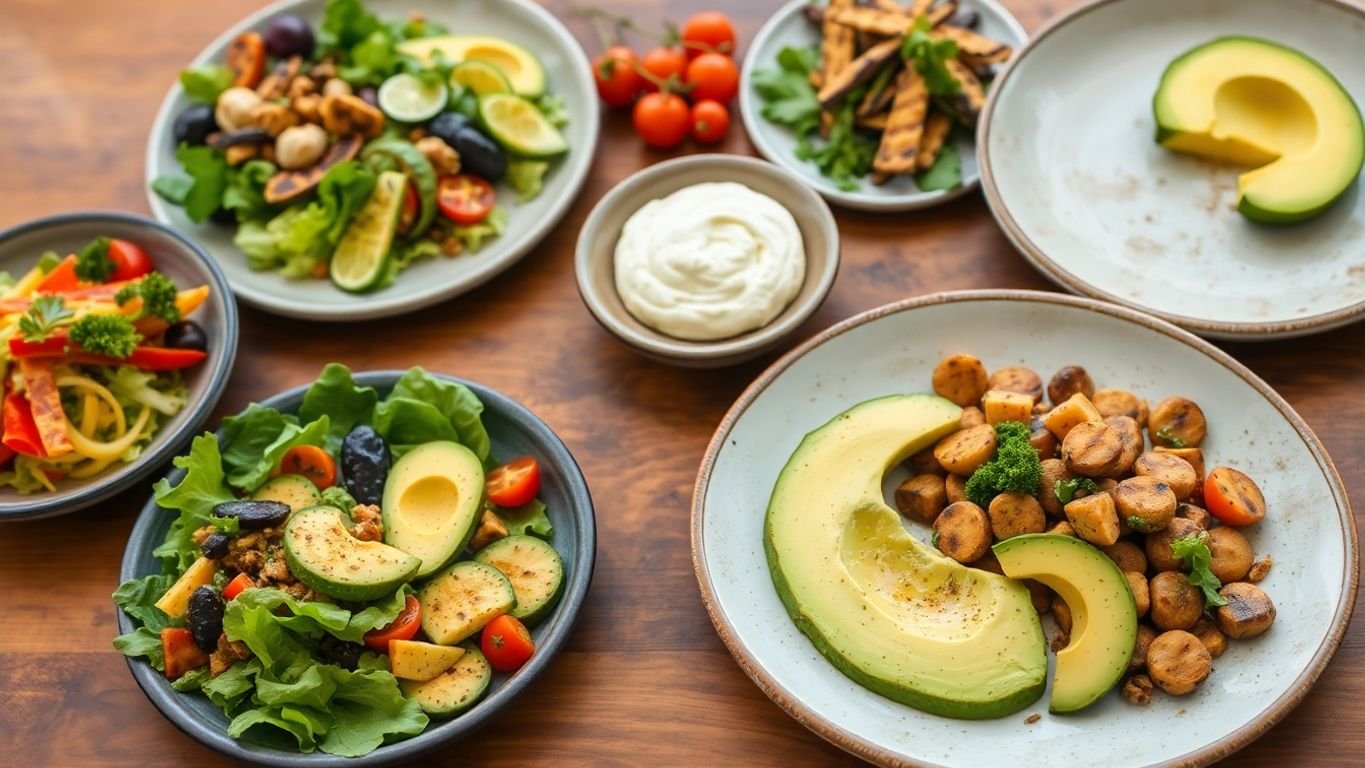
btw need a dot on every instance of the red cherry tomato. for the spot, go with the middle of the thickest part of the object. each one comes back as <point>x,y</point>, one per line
<point>618,82</point>
<point>664,64</point>
<point>710,122</point>
<point>312,462</point>
<point>514,483</point>
<point>465,199</point>
<point>129,259</point>
<point>239,584</point>
<point>713,76</point>
<point>1233,498</point>
<point>412,205</point>
<point>403,627</point>
<point>507,644</point>
<point>708,31</point>
<point>661,119</point>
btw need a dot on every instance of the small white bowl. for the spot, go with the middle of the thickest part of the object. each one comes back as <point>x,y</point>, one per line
<point>595,253</point>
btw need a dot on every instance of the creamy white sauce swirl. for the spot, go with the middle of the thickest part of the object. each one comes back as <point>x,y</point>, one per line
<point>709,261</point>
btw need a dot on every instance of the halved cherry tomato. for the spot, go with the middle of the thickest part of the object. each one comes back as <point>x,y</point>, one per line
<point>180,652</point>
<point>61,278</point>
<point>411,207</point>
<point>710,122</point>
<point>239,584</point>
<point>664,64</point>
<point>661,119</point>
<point>507,644</point>
<point>312,462</point>
<point>1233,498</point>
<point>713,76</point>
<point>618,82</point>
<point>708,31</point>
<point>514,483</point>
<point>246,59</point>
<point>21,431</point>
<point>465,199</point>
<point>403,627</point>
<point>129,259</point>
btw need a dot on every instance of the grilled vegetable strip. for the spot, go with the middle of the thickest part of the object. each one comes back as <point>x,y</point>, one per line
<point>46,402</point>
<point>899,149</point>
<point>836,53</point>
<point>936,130</point>
<point>890,6</point>
<point>862,69</point>
<point>920,7</point>
<point>976,50</point>
<point>966,104</point>
<point>867,20</point>
<point>879,94</point>
<point>873,122</point>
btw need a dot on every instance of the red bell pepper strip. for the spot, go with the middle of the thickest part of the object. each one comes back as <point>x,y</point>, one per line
<point>61,278</point>
<point>146,358</point>
<point>21,432</point>
<point>237,586</point>
<point>6,453</point>
<point>180,652</point>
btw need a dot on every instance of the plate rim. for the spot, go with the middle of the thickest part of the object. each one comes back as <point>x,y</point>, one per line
<point>749,118</point>
<point>372,305</point>
<point>867,750</point>
<point>1038,258</point>
<point>166,700</point>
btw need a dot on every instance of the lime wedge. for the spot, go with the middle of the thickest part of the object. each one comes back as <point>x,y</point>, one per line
<point>363,252</point>
<point>519,126</point>
<point>408,99</point>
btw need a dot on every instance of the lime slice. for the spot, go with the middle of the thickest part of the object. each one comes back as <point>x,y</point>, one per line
<point>481,77</point>
<point>519,126</point>
<point>408,99</point>
<point>363,252</point>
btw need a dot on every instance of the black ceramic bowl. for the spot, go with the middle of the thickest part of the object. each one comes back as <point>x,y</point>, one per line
<point>515,431</point>
<point>180,259</point>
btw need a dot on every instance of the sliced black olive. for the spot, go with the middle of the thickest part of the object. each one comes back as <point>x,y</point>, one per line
<point>341,653</point>
<point>215,546</point>
<point>245,136</point>
<point>479,154</point>
<point>206,617</point>
<point>365,464</point>
<point>445,125</point>
<point>224,217</point>
<point>252,514</point>
<point>186,334</point>
<point>194,125</point>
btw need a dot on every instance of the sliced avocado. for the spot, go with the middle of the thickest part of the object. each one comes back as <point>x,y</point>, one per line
<point>452,692</point>
<point>890,612</point>
<point>521,67</point>
<point>431,502</point>
<point>1103,615</point>
<point>460,600</point>
<point>1252,102</point>
<point>323,554</point>
<point>295,490</point>
<point>533,567</point>
<point>416,660</point>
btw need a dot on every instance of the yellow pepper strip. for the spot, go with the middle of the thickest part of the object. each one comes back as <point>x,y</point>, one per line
<point>111,450</point>
<point>90,414</point>
<point>25,285</point>
<point>92,386</point>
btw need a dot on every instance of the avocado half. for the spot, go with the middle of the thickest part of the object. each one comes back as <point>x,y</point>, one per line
<point>1253,102</point>
<point>521,67</point>
<point>892,613</point>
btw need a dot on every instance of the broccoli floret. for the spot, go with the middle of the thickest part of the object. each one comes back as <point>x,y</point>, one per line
<point>93,264</point>
<point>109,335</point>
<point>158,297</point>
<point>1065,490</point>
<point>1015,468</point>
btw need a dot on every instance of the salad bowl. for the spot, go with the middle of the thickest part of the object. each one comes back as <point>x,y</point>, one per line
<point>184,262</point>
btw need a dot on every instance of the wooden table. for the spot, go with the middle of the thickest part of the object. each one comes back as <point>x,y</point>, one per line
<point>644,677</point>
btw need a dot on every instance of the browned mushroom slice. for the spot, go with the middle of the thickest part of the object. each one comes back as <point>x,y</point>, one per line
<point>859,71</point>
<point>288,185</point>
<point>899,148</point>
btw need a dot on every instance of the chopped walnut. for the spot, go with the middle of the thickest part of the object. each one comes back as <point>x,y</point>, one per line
<point>491,528</point>
<point>441,155</point>
<point>226,654</point>
<point>273,118</point>
<point>451,246</point>
<point>307,108</point>
<point>1138,690</point>
<point>323,70</point>
<point>300,591</point>
<point>247,561</point>
<point>416,133</point>
<point>277,570</point>
<point>203,533</point>
<point>349,115</point>
<point>275,84</point>
<point>369,525</point>
<point>1260,568</point>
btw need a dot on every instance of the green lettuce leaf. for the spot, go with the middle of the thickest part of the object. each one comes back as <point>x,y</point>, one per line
<point>346,404</point>
<point>208,172</point>
<point>367,708</point>
<point>303,236</point>
<point>204,84</point>
<point>308,618</point>
<point>526,176</point>
<point>337,496</point>
<point>244,194</point>
<point>945,173</point>
<point>471,236</point>
<point>163,394</point>
<point>529,520</point>
<point>172,188</point>
<point>137,598</point>
<point>344,24</point>
<point>551,105</point>
<point>192,681</point>
<point>404,416</point>
<point>142,642</point>
<point>229,689</point>
<point>194,497</point>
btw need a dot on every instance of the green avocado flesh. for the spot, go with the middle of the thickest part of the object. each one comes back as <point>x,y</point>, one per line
<point>1256,103</point>
<point>432,501</point>
<point>1103,615</point>
<point>323,554</point>
<point>892,613</point>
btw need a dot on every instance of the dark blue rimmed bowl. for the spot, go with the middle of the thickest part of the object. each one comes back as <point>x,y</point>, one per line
<point>515,431</point>
<point>180,259</point>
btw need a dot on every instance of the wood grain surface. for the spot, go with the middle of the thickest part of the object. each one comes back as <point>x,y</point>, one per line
<point>644,678</point>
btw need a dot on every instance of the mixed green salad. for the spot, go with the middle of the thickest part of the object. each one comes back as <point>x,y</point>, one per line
<point>352,150</point>
<point>336,578</point>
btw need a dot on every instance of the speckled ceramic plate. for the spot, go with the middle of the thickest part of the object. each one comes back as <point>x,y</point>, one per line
<point>184,262</point>
<point>1072,173</point>
<point>515,431</point>
<point>893,349</point>
<point>431,280</point>
<point>789,27</point>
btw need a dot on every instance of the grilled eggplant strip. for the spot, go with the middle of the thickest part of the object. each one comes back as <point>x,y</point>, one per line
<point>878,97</point>
<point>869,20</point>
<point>861,70</point>
<point>875,122</point>
<point>966,104</point>
<point>920,7</point>
<point>899,149</point>
<point>936,129</point>
<point>976,50</point>
<point>836,53</point>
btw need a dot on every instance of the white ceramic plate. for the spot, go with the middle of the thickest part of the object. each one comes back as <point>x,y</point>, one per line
<point>1073,175</point>
<point>1309,530</point>
<point>432,280</point>
<point>789,27</point>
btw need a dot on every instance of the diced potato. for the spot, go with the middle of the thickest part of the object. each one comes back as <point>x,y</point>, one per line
<point>1094,519</point>
<point>1001,405</point>
<point>1075,410</point>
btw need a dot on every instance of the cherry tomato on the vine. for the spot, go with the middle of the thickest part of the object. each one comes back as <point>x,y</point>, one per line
<point>618,82</point>
<point>708,31</point>
<point>710,122</point>
<point>663,63</point>
<point>713,76</point>
<point>661,119</point>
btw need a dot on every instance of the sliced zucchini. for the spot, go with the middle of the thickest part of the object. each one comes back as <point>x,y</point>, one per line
<point>408,99</point>
<point>518,126</point>
<point>452,692</point>
<point>363,253</point>
<point>460,600</point>
<point>295,490</point>
<point>404,154</point>
<point>481,77</point>
<point>533,567</point>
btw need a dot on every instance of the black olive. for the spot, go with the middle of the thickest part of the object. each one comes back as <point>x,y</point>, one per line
<point>186,334</point>
<point>227,139</point>
<point>224,217</point>
<point>445,125</point>
<point>215,546</point>
<point>194,125</point>
<point>252,514</point>
<point>365,464</point>
<point>206,617</point>
<point>479,154</point>
<point>343,654</point>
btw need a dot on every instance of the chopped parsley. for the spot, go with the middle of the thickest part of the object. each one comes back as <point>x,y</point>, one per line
<point>45,315</point>
<point>108,335</point>
<point>1194,550</point>
<point>1065,490</point>
<point>930,57</point>
<point>1170,438</point>
<point>93,264</point>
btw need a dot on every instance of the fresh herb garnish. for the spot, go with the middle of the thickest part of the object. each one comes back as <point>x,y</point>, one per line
<point>930,56</point>
<point>1170,438</point>
<point>108,335</point>
<point>1194,550</point>
<point>1015,468</point>
<point>1065,490</point>
<point>45,315</point>
<point>93,264</point>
